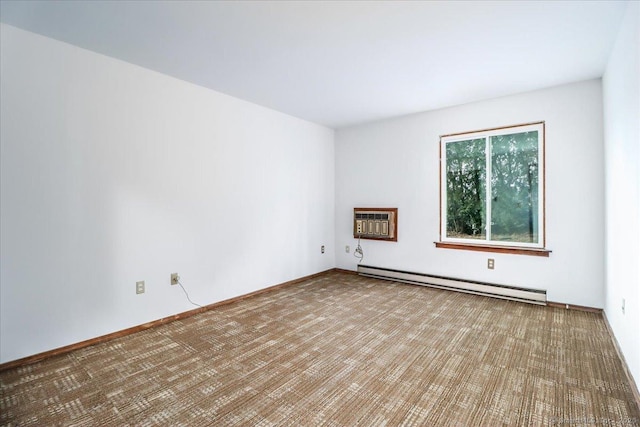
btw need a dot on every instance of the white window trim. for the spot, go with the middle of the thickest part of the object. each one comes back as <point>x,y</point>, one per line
<point>444,139</point>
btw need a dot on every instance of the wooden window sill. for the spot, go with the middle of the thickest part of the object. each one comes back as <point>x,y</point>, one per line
<point>493,248</point>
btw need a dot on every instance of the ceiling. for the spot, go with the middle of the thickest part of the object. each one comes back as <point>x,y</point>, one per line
<point>340,63</point>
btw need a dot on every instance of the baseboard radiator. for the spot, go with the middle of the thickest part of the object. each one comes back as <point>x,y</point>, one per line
<point>514,293</point>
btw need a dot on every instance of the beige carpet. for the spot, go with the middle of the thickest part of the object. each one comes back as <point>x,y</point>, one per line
<point>339,350</point>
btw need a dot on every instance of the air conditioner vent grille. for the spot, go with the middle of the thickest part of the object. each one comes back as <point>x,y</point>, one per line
<point>376,223</point>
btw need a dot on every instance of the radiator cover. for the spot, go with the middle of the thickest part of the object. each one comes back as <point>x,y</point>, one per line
<point>514,293</point>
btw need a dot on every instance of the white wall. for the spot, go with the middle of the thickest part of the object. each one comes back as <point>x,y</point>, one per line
<point>621,93</point>
<point>111,174</point>
<point>394,163</point>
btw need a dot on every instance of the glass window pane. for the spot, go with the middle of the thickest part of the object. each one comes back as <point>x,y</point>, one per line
<point>466,189</point>
<point>514,187</point>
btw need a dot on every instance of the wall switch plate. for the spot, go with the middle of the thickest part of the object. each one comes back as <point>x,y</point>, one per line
<point>623,301</point>
<point>174,278</point>
<point>347,249</point>
<point>322,249</point>
<point>491,263</point>
<point>140,287</point>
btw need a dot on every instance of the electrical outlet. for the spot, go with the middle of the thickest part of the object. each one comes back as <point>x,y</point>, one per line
<point>491,263</point>
<point>322,249</point>
<point>347,249</point>
<point>623,305</point>
<point>174,278</point>
<point>140,287</point>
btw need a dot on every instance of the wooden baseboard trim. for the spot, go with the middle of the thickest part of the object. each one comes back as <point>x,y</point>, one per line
<point>625,367</point>
<point>103,338</point>
<point>574,307</point>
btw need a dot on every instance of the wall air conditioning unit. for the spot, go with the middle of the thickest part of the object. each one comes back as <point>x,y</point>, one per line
<point>375,223</point>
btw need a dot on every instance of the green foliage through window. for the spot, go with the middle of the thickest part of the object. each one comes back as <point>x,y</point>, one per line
<point>492,184</point>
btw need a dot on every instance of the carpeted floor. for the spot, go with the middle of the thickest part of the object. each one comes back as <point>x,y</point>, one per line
<point>339,350</point>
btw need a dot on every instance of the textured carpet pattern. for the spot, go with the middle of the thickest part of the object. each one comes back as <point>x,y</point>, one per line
<point>338,350</point>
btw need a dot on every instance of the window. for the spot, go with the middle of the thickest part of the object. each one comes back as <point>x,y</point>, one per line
<point>492,189</point>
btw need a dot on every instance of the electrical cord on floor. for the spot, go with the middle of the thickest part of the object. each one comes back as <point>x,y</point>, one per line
<point>185,292</point>
<point>359,253</point>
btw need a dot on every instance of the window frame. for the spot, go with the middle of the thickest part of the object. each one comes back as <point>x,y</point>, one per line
<point>485,244</point>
